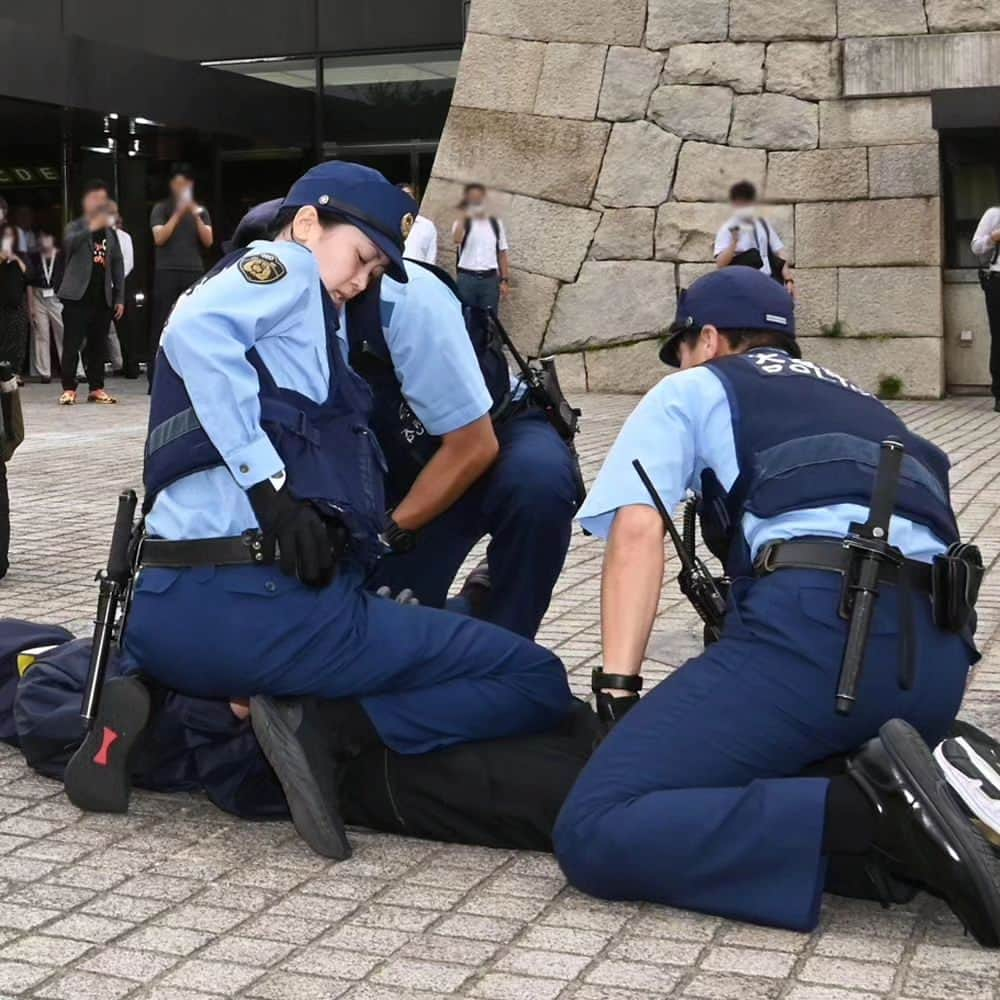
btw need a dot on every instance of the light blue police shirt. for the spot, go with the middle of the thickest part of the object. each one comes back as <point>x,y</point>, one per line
<point>205,340</point>
<point>682,427</point>
<point>431,352</point>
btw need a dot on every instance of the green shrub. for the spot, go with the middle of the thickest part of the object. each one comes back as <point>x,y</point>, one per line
<point>890,387</point>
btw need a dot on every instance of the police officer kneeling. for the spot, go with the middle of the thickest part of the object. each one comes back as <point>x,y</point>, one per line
<point>709,793</point>
<point>265,504</point>
<point>468,452</point>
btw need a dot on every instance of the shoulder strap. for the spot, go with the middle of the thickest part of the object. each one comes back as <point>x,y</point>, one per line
<point>495,224</point>
<point>440,273</point>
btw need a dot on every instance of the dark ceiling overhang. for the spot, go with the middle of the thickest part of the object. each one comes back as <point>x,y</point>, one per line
<point>75,72</point>
<point>972,107</point>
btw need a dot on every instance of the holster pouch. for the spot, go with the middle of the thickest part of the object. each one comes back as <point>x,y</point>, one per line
<point>564,417</point>
<point>956,578</point>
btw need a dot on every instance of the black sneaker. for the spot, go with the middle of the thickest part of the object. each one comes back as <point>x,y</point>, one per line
<point>98,776</point>
<point>296,740</point>
<point>611,710</point>
<point>923,834</point>
<point>970,760</point>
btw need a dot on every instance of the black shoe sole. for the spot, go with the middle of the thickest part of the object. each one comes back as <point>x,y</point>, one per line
<point>914,761</point>
<point>98,776</point>
<point>316,816</point>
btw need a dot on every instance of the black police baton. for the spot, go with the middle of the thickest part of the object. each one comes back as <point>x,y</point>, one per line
<point>869,548</point>
<point>694,579</point>
<point>114,585</point>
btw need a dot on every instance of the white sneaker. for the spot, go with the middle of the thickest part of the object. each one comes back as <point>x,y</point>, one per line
<point>970,760</point>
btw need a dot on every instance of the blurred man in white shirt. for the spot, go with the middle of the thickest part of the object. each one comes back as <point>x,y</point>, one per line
<point>116,334</point>
<point>986,245</point>
<point>481,246</point>
<point>422,242</point>
<point>751,241</point>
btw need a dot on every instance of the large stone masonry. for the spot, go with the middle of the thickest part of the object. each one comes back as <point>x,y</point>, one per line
<point>611,131</point>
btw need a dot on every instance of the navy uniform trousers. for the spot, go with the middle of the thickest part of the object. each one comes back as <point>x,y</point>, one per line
<point>426,678</point>
<point>525,503</point>
<point>695,799</point>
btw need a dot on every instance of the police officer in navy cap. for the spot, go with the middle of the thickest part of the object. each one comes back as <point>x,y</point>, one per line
<point>468,454</point>
<point>264,511</point>
<point>709,793</point>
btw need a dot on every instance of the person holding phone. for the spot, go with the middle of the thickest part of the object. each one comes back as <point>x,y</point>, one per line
<point>13,300</point>
<point>986,246</point>
<point>749,240</point>
<point>92,292</point>
<point>182,230</point>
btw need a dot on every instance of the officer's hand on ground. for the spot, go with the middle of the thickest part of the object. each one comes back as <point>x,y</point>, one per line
<point>304,548</point>
<point>405,596</point>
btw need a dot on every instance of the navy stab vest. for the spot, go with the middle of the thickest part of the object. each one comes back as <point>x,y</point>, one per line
<point>403,438</point>
<point>807,438</point>
<point>330,454</point>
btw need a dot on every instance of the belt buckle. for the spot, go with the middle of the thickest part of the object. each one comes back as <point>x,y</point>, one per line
<point>765,563</point>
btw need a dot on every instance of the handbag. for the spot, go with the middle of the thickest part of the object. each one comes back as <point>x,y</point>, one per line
<point>755,258</point>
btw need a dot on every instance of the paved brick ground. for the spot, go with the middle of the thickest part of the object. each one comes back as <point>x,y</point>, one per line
<point>179,902</point>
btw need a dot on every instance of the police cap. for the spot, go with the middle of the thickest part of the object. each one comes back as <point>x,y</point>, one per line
<point>257,224</point>
<point>731,298</point>
<point>366,199</point>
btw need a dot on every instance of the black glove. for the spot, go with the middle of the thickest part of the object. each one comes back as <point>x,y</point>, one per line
<point>304,545</point>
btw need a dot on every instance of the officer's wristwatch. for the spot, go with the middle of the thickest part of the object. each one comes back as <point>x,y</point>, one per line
<point>398,539</point>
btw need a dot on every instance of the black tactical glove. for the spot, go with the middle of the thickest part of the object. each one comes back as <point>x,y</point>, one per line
<point>304,544</point>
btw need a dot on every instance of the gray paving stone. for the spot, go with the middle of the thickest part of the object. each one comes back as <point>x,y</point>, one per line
<point>128,964</point>
<point>39,949</point>
<point>411,973</point>
<point>552,964</point>
<point>226,978</point>
<point>168,940</point>
<point>85,986</point>
<point>18,977</point>
<point>292,986</point>
<point>501,986</point>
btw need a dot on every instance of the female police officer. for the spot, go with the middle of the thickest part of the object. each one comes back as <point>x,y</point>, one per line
<point>697,798</point>
<point>259,438</point>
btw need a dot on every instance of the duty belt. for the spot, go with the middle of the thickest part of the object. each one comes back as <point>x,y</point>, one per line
<point>251,548</point>
<point>833,557</point>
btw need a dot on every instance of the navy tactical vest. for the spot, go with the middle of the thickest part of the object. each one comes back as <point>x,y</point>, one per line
<point>806,438</point>
<point>331,456</point>
<point>403,438</point>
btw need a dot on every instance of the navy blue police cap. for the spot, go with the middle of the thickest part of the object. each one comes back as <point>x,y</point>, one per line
<point>732,298</point>
<point>257,224</point>
<point>364,198</point>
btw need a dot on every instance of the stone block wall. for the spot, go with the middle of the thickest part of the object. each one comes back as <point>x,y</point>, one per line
<point>610,131</point>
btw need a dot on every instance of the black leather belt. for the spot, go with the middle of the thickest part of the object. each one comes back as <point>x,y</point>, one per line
<point>479,274</point>
<point>832,556</point>
<point>249,549</point>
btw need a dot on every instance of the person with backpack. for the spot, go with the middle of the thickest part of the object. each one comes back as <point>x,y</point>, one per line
<point>481,251</point>
<point>747,239</point>
<point>986,245</point>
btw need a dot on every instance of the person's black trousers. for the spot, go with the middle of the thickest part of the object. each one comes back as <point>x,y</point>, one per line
<point>85,325</point>
<point>168,287</point>
<point>4,521</point>
<point>993,312</point>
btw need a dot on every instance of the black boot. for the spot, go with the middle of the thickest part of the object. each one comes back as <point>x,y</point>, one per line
<point>98,776</point>
<point>477,588</point>
<point>303,739</point>
<point>923,835</point>
<point>610,709</point>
